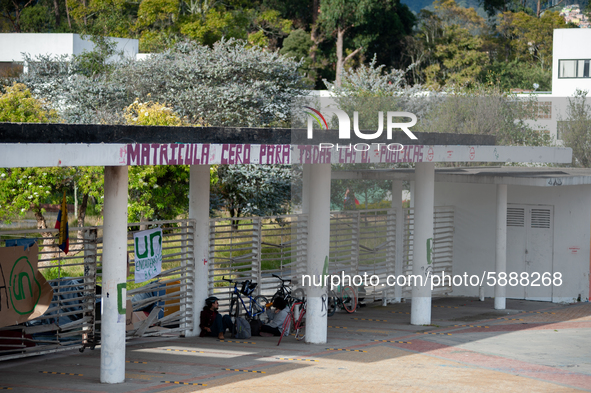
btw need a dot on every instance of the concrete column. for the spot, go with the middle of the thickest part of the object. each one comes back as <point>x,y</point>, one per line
<point>424,198</point>
<point>114,283</point>
<point>317,189</point>
<point>397,206</point>
<point>412,194</point>
<point>501,249</point>
<point>306,170</point>
<point>199,211</point>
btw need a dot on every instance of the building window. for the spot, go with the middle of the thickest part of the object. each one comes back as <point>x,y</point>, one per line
<point>574,68</point>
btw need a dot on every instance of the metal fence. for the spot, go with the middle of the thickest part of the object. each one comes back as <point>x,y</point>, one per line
<point>443,235</point>
<point>73,317</point>
<point>361,241</point>
<point>255,248</point>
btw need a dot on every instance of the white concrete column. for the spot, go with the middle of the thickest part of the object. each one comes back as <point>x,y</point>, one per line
<point>501,249</point>
<point>114,292</point>
<point>412,194</point>
<point>199,211</point>
<point>317,190</point>
<point>397,206</point>
<point>424,198</point>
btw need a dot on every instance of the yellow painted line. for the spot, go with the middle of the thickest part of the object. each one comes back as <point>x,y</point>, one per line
<point>374,320</point>
<point>443,334</point>
<point>342,349</point>
<point>511,319</point>
<point>181,350</point>
<point>394,341</point>
<point>400,312</point>
<point>303,360</point>
<point>478,326</point>
<point>53,372</point>
<point>145,377</point>
<point>337,327</point>
<point>133,361</point>
<point>445,307</point>
<point>241,342</point>
<point>185,383</point>
<point>372,331</point>
<point>244,371</point>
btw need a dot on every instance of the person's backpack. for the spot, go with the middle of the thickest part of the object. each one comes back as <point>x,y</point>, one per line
<point>241,328</point>
<point>255,327</point>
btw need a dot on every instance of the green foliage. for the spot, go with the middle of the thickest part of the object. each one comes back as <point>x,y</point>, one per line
<point>228,84</point>
<point>23,189</point>
<point>151,114</point>
<point>518,75</point>
<point>576,128</point>
<point>254,190</point>
<point>369,193</point>
<point>36,19</point>
<point>158,192</point>
<point>298,45</point>
<point>17,105</point>
<point>458,58</point>
<point>529,38</point>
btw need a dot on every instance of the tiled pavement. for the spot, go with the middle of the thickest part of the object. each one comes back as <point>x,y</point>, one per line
<point>531,347</point>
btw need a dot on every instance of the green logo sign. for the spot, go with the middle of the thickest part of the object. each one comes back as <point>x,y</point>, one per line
<point>23,295</point>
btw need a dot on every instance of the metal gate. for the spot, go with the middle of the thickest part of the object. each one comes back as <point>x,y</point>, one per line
<point>361,241</point>
<point>73,317</point>
<point>255,248</point>
<point>443,236</point>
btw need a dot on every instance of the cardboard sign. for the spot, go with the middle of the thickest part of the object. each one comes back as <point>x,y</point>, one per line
<point>148,254</point>
<point>24,292</point>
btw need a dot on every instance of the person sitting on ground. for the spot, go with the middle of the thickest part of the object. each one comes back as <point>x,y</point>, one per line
<point>211,322</point>
<point>276,318</point>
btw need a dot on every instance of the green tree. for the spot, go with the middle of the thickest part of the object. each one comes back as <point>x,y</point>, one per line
<point>527,38</point>
<point>298,45</point>
<point>27,189</point>
<point>17,105</point>
<point>254,190</point>
<point>156,192</point>
<point>576,129</point>
<point>448,47</point>
<point>362,24</point>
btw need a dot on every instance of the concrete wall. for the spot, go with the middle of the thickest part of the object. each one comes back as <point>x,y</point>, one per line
<point>474,237</point>
<point>570,44</point>
<point>14,44</point>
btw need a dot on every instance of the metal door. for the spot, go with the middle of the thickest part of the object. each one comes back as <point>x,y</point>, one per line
<point>530,240</point>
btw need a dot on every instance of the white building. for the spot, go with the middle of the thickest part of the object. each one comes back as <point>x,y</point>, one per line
<point>571,61</point>
<point>56,44</point>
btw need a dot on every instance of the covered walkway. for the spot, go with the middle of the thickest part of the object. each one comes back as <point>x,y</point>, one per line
<point>469,347</point>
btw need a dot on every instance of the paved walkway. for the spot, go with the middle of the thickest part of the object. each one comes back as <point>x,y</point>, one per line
<point>531,347</point>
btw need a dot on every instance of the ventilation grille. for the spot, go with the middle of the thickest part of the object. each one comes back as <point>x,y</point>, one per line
<point>540,218</point>
<point>515,217</point>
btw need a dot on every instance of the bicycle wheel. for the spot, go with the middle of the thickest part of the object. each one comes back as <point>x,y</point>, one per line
<point>349,299</point>
<point>298,294</point>
<point>300,325</point>
<point>259,308</point>
<point>331,304</point>
<point>234,308</point>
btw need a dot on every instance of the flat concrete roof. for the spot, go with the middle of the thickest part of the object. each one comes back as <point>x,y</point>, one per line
<point>512,175</point>
<point>107,133</point>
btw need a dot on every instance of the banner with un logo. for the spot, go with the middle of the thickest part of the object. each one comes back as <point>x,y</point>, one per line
<point>148,254</point>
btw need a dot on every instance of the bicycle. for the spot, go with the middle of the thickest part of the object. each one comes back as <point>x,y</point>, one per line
<point>295,317</point>
<point>256,306</point>
<point>345,297</point>
<point>285,292</point>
